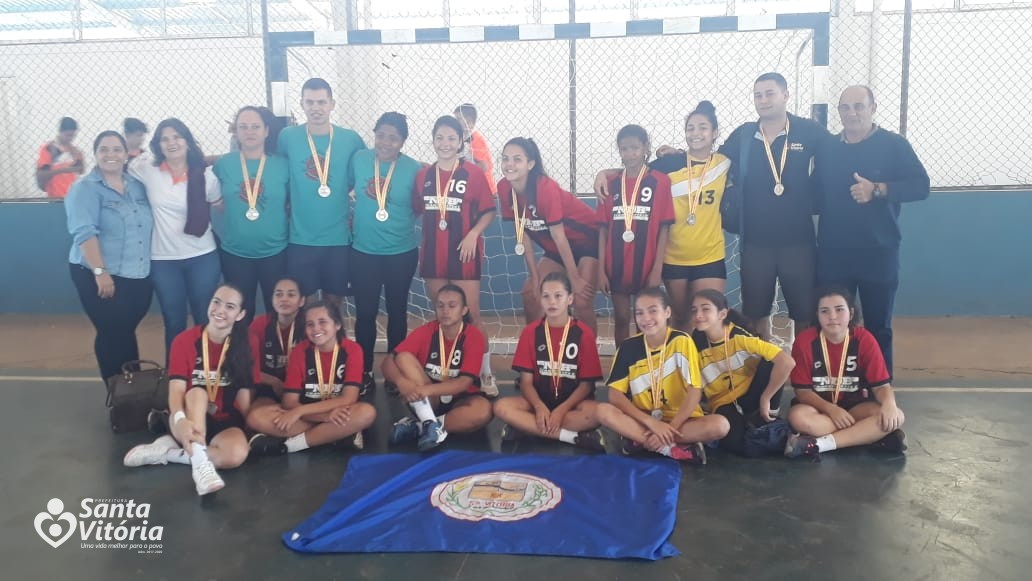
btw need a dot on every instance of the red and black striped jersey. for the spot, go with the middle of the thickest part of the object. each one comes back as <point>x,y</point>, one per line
<point>578,361</point>
<point>553,205</point>
<point>186,362</point>
<point>628,264</point>
<point>303,379</point>
<point>270,339</point>
<point>467,352</point>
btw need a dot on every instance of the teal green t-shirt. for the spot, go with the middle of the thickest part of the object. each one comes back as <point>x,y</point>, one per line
<point>267,235</point>
<point>314,220</point>
<point>398,233</point>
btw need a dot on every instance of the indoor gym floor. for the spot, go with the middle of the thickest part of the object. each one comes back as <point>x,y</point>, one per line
<point>952,508</point>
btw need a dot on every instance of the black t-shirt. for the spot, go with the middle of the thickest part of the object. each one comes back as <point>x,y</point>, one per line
<point>773,220</point>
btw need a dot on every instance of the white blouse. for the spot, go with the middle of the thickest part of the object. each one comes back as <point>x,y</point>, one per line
<point>168,203</point>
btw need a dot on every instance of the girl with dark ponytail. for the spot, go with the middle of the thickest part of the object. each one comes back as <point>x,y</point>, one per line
<point>211,377</point>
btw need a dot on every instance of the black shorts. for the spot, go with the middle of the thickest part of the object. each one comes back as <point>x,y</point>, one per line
<point>551,402</point>
<point>846,404</point>
<point>214,426</point>
<point>795,268</point>
<point>579,252</point>
<point>265,390</point>
<point>691,273</point>
<point>319,267</point>
<point>442,408</point>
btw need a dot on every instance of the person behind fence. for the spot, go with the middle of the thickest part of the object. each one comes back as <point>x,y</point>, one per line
<point>843,390</point>
<point>254,218</point>
<point>563,226</point>
<point>695,250</point>
<point>558,364</point>
<point>319,157</point>
<point>655,388</point>
<point>437,371</point>
<point>455,201</point>
<point>385,252</point>
<point>135,132</point>
<point>636,219</point>
<point>742,375</point>
<point>476,148</point>
<point>184,262</point>
<point>320,400</point>
<point>60,162</point>
<point>274,334</point>
<point>211,377</point>
<point>110,221</point>
<point>865,174</point>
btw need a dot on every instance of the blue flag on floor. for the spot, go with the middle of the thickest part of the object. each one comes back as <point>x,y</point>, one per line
<point>580,506</point>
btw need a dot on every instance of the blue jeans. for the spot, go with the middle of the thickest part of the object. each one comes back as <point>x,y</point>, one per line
<point>179,284</point>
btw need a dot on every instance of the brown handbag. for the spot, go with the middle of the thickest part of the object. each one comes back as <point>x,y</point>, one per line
<point>131,395</point>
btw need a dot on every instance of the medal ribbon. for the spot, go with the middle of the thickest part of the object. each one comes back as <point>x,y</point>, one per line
<point>321,169</point>
<point>628,207</point>
<point>770,154</point>
<point>446,357</point>
<point>837,380</point>
<point>209,384</point>
<point>554,365</point>
<point>290,337</point>
<point>252,192</point>
<point>519,218</point>
<point>695,195</point>
<point>326,390</point>
<point>442,197</point>
<point>656,383</point>
<point>381,194</point>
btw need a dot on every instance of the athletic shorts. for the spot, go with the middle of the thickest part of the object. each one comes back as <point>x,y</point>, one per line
<point>551,403</point>
<point>795,268</point>
<point>691,273</point>
<point>845,404</point>
<point>443,408</point>
<point>214,426</point>
<point>579,252</point>
<point>319,267</point>
<point>265,390</point>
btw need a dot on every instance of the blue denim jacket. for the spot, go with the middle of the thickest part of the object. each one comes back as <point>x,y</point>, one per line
<point>122,223</point>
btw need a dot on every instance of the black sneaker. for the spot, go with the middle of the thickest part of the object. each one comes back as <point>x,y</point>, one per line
<point>265,445</point>
<point>157,422</point>
<point>630,447</point>
<point>894,443</point>
<point>591,440</point>
<point>368,384</point>
<point>511,434</point>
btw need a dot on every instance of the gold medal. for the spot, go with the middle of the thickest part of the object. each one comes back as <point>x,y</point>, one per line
<point>836,379</point>
<point>656,375</point>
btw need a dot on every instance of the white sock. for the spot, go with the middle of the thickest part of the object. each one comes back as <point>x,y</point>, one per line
<point>200,454</point>
<point>485,367</point>
<point>297,443</point>
<point>826,443</point>
<point>424,411</point>
<point>665,450</point>
<point>568,436</point>
<point>177,456</point>
<point>440,419</point>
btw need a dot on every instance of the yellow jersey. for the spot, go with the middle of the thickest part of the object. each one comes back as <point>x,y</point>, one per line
<point>672,370</point>
<point>728,367</point>
<point>701,242</point>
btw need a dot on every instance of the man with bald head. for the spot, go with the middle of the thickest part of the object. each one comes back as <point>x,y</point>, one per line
<point>865,173</point>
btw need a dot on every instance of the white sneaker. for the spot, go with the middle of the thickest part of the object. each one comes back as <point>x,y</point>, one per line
<point>359,441</point>
<point>488,385</point>
<point>206,478</point>
<point>153,453</point>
